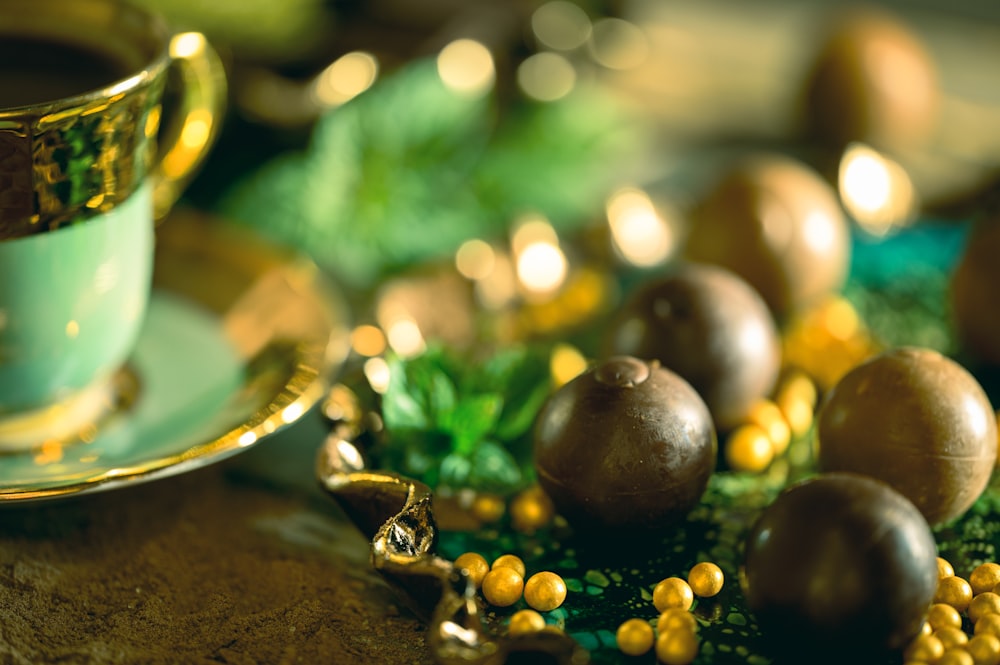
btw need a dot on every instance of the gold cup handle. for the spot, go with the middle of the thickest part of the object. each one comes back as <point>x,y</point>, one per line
<point>188,135</point>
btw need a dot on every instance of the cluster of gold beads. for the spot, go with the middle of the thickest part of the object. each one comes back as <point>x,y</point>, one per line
<point>675,637</point>
<point>505,582</point>
<point>963,623</point>
<point>772,424</point>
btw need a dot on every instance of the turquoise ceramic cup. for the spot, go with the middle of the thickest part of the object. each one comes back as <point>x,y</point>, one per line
<point>86,167</point>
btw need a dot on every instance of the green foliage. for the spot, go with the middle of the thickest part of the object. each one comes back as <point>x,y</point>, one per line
<point>407,171</point>
<point>453,421</point>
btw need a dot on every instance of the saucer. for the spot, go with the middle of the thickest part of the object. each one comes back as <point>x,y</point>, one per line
<point>240,340</point>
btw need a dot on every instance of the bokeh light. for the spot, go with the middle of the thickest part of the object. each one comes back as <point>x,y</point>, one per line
<point>618,44</point>
<point>475,259</point>
<point>875,190</point>
<point>347,77</point>
<point>561,25</point>
<point>467,67</point>
<point>546,76</point>
<point>640,234</point>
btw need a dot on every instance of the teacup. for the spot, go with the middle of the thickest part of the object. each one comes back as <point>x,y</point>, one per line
<point>85,171</point>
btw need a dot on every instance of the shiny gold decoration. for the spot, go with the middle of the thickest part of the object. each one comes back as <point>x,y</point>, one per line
<point>766,415</point>
<point>65,161</point>
<point>954,591</point>
<point>635,637</point>
<point>672,592</point>
<point>984,649</point>
<point>989,624</point>
<point>511,561</point>
<point>983,604</point>
<point>706,579</point>
<point>530,510</point>
<point>955,656</point>
<point>826,341</point>
<point>941,615</point>
<point>925,649</point>
<point>749,448</point>
<point>502,587</point>
<point>944,568</point>
<point>984,577</point>
<point>475,565</point>
<point>950,637</point>
<point>677,647</point>
<point>395,513</point>
<point>524,622</point>
<point>674,618</point>
<point>544,591</point>
<point>796,399</point>
<point>488,508</point>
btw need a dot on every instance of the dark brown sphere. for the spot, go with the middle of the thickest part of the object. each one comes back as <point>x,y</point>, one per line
<point>708,325</point>
<point>627,444</point>
<point>917,421</point>
<point>777,224</point>
<point>840,566</point>
<point>873,81</point>
<point>974,287</point>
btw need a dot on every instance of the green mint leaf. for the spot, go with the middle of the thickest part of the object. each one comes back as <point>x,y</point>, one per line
<point>455,470</point>
<point>493,469</point>
<point>474,418</point>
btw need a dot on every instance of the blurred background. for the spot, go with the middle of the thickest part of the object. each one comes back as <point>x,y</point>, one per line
<point>495,171</point>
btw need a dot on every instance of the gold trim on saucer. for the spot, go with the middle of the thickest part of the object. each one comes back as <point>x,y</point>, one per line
<point>284,323</point>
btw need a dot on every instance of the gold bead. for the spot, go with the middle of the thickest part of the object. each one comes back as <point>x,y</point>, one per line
<point>706,579</point>
<point>925,648</point>
<point>942,615</point>
<point>984,649</point>
<point>748,448</point>
<point>988,624</point>
<point>951,637</point>
<point>544,591</point>
<point>796,398</point>
<point>502,587</point>
<point>524,622</point>
<point>635,637</point>
<point>765,414</point>
<point>944,568</point>
<point>983,604</point>
<point>531,510</point>
<point>676,647</point>
<point>487,508</point>
<point>926,629</point>
<point>674,618</point>
<point>672,592</point>
<point>984,577</point>
<point>954,591</point>
<point>510,561</point>
<point>475,566</point>
<point>955,656</point>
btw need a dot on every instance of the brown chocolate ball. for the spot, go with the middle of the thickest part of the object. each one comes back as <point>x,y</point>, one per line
<point>873,81</point>
<point>708,325</point>
<point>840,567</point>
<point>916,420</point>
<point>625,445</point>
<point>777,224</point>
<point>974,287</point>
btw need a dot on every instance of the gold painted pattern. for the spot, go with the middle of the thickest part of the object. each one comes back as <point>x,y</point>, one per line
<point>59,166</point>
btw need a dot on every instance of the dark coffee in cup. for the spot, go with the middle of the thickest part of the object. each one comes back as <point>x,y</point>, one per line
<point>35,71</point>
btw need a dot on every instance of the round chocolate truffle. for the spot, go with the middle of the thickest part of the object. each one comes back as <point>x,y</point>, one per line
<point>627,444</point>
<point>840,565</point>
<point>916,420</point>
<point>873,81</point>
<point>708,325</point>
<point>777,224</point>
<point>974,287</point>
